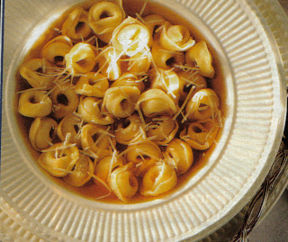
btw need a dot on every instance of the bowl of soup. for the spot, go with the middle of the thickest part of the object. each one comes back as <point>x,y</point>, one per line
<point>145,119</point>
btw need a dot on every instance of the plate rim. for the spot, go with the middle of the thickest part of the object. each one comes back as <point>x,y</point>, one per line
<point>271,155</point>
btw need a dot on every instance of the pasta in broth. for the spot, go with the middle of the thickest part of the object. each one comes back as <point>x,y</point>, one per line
<point>122,103</point>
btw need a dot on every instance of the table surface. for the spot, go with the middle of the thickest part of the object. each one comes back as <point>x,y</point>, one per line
<point>284,4</point>
<point>274,228</point>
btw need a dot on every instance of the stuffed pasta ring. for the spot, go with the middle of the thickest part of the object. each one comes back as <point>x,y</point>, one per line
<point>81,58</point>
<point>129,79</point>
<point>65,101</point>
<point>144,151</point>
<point>200,55</point>
<point>56,49</point>
<point>144,155</point>
<point>34,104</point>
<point>108,63</point>
<point>129,130</point>
<point>70,125</point>
<point>189,79</point>
<point>168,81</point>
<point>76,24</point>
<point>105,166</point>
<point>97,140</point>
<point>153,22</point>
<point>42,132</point>
<point>139,63</point>
<point>203,105</point>
<point>123,183</point>
<point>59,160</point>
<point>121,101</point>
<point>92,84</point>
<point>162,129</point>
<point>131,37</point>
<point>156,102</point>
<point>104,17</point>
<point>166,59</point>
<point>176,38</point>
<point>37,72</point>
<point>81,172</point>
<point>179,155</point>
<point>89,110</point>
<point>200,135</point>
<point>159,179</point>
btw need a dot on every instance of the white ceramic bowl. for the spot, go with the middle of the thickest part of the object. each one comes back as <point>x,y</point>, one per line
<point>251,136</point>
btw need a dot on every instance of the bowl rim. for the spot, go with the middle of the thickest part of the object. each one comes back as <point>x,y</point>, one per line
<point>46,178</point>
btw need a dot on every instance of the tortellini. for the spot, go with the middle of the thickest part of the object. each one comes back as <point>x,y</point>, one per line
<point>176,37</point>
<point>37,72</point>
<point>153,22</point>
<point>169,82</point>
<point>105,166</point>
<point>81,172</point>
<point>144,155</point>
<point>203,105</point>
<point>162,129</point>
<point>59,159</point>
<point>104,17</point>
<point>156,102</point>
<point>92,84</point>
<point>81,58</point>
<point>119,106</point>
<point>190,82</point>
<point>159,179</point>
<point>139,63</point>
<point>129,79</point>
<point>190,79</point>
<point>123,183</point>
<point>56,49</point>
<point>166,59</point>
<point>76,24</point>
<point>131,37</point>
<point>70,126</point>
<point>200,135</point>
<point>42,132</point>
<point>180,155</point>
<point>97,140</point>
<point>144,151</point>
<point>201,55</point>
<point>34,104</point>
<point>65,101</point>
<point>129,130</point>
<point>89,111</point>
<point>108,63</point>
<point>121,101</point>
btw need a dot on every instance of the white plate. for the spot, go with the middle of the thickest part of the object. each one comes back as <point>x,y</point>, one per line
<point>256,99</point>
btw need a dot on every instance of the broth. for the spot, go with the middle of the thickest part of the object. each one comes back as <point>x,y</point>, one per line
<point>91,190</point>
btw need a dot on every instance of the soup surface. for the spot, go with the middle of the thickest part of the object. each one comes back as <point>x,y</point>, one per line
<point>121,103</point>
